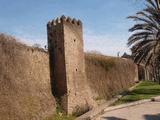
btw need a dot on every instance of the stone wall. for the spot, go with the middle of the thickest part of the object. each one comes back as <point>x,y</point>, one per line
<point>25,89</point>
<point>108,76</point>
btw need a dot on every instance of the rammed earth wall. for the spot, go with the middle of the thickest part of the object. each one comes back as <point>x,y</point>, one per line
<point>108,76</point>
<point>25,89</point>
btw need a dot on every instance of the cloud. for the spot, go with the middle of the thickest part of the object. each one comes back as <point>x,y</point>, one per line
<point>105,44</point>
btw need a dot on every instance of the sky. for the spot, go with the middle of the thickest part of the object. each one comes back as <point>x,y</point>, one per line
<point>105,23</point>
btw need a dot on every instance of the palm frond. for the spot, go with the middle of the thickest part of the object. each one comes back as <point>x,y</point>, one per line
<point>145,40</point>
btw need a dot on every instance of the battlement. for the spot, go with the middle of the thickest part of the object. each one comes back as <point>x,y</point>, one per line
<point>63,19</point>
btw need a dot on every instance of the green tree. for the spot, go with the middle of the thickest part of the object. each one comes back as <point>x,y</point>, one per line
<point>145,40</point>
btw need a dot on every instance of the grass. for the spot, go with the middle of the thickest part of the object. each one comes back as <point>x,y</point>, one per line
<point>60,116</point>
<point>144,90</point>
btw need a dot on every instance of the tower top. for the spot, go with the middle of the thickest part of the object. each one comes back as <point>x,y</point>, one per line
<point>63,19</point>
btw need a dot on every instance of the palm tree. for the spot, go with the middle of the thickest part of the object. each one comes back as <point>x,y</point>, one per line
<point>145,40</point>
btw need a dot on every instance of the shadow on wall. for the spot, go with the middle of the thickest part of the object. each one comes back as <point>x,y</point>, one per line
<point>152,117</point>
<point>113,118</point>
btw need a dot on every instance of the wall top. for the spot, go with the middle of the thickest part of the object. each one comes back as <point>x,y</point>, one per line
<point>64,19</point>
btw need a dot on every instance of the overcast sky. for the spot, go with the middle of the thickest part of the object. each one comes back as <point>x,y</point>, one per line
<point>104,21</point>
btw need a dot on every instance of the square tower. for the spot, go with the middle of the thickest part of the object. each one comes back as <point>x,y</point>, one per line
<point>65,45</point>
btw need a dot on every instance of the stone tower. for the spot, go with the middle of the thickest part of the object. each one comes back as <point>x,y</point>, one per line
<point>65,45</point>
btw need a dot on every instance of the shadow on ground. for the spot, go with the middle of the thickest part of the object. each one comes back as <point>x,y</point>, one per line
<point>152,117</point>
<point>113,118</point>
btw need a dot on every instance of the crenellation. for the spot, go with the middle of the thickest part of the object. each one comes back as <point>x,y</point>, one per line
<point>53,22</point>
<point>62,19</point>
<point>58,20</point>
<point>69,19</point>
<point>79,22</point>
<point>74,21</point>
<point>49,24</point>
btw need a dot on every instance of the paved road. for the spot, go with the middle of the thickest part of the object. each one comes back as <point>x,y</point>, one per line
<point>145,111</point>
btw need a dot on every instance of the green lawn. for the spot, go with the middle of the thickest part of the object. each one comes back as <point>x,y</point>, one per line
<point>144,90</point>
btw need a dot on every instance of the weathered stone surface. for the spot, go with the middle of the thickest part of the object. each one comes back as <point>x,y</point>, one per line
<point>109,76</point>
<point>66,50</point>
<point>25,91</point>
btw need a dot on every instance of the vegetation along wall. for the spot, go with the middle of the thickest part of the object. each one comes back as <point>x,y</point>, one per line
<point>108,76</point>
<point>25,89</point>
